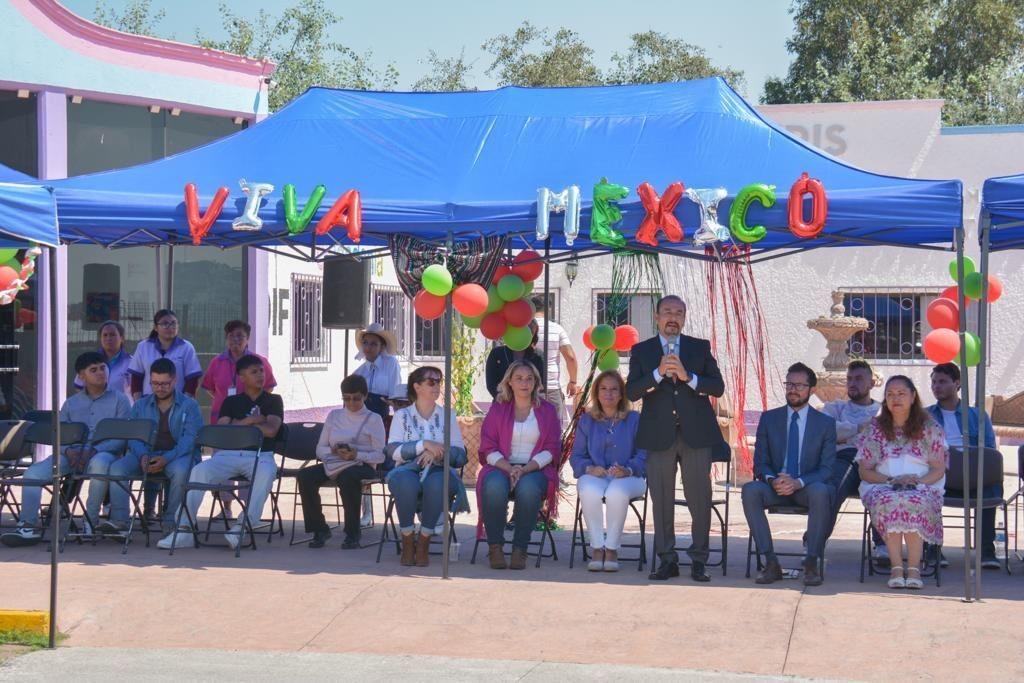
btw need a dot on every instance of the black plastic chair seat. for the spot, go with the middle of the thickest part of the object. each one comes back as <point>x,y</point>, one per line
<point>682,501</point>
<point>995,502</point>
<point>787,510</point>
<point>30,482</point>
<point>199,486</point>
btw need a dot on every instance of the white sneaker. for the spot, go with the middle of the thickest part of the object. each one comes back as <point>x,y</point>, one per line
<point>234,536</point>
<point>183,540</point>
<point>24,535</point>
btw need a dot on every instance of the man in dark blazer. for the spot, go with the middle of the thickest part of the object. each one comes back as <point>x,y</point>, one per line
<point>793,459</point>
<point>674,375</point>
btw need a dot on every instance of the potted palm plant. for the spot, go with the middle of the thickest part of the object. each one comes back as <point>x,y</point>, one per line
<point>465,365</point>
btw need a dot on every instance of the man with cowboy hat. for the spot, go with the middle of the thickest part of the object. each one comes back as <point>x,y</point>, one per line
<point>380,367</point>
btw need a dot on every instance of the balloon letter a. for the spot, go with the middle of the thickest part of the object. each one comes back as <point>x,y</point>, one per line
<point>199,225</point>
<point>346,212</point>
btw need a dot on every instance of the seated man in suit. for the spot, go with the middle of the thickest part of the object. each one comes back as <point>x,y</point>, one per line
<point>793,458</point>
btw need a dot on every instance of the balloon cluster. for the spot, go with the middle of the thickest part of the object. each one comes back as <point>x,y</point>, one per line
<point>608,342</point>
<point>942,344</point>
<point>14,274</point>
<point>347,211</point>
<point>506,311</point>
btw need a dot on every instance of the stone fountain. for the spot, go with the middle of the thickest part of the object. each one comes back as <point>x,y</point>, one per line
<point>837,330</point>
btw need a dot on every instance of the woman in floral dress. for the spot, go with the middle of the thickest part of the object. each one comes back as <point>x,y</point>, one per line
<point>902,462</point>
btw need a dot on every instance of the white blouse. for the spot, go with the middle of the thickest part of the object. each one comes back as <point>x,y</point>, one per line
<point>525,435</point>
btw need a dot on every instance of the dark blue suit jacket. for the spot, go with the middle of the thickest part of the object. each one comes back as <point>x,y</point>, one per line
<point>816,456</point>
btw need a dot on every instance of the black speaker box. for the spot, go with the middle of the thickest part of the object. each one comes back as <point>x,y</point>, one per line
<point>346,302</point>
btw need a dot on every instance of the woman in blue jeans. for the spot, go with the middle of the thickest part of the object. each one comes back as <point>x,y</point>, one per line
<point>520,447</point>
<point>416,444</point>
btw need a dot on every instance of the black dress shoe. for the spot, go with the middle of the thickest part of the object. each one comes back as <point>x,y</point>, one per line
<point>319,538</point>
<point>698,573</point>
<point>771,573</point>
<point>666,571</point>
<point>811,575</point>
<point>350,543</point>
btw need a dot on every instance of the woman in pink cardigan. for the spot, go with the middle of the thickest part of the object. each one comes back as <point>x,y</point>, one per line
<point>520,445</point>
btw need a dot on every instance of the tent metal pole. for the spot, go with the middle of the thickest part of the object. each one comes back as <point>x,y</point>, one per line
<point>55,506</point>
<point>547,312</point>
<point>980,397</point>
<point>449,414</point>
<point>170,276</point>
<point>964,402</point>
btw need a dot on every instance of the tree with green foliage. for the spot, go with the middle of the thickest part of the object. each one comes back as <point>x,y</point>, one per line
<point>298,42</point>
<point>533,57</point>
<point>137,17</point>
<point>969,52</point>
<point>446,74</point>
<point>654,57</point>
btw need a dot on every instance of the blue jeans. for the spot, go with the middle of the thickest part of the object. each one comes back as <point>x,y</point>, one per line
<point>409,493</point>
<point>177,472</point>
<point>32,495</point>
<point>528,494</point>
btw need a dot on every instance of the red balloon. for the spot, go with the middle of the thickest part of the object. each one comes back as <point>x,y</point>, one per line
<point>493,326</point>
<point>500,272</point>
<point>518,313</point>
<point>953,294</point>
<point>347,212</point>
<point>586,339</point>
<point>626,336</point>
<point>659,214</point>
<point>7,277</point>
<point>819,207</point>
<point>941,346</point>
<point>527,265</point>
<point>943,314</point>
<point>995,288</point>
<point>470,300</point>
<point>199,225</point>
<point>26,317</point>
<point>428,306</point>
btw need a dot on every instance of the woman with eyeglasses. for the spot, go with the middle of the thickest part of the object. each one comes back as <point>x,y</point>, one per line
<point>112,340</point>
<point>608,466</point>
<point>902,462</point>
<point>351,446</point>
<point>220,380</point>
<point>164,342</point>
<point>520,447</point>
<point>416,444</point>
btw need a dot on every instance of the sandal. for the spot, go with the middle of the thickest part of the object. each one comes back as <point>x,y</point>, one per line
<point>914,582</point>
<point>896,579</point>
<point>596,563</point>
<point>611,560</point>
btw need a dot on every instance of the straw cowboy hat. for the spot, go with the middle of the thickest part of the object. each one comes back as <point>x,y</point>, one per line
<point>377,330</point>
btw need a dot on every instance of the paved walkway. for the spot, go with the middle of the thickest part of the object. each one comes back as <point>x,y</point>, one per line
<point>293,599</point>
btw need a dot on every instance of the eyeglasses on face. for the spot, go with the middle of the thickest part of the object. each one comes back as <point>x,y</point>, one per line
<point>352,398</point>
<point>798,386</point>
<point>161,385</point>
<point>431,381</point>
<point>167,324</point>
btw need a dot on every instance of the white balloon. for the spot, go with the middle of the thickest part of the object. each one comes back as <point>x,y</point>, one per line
<point>249,219</point>
<point>568,202</point>
<point>710,230</point>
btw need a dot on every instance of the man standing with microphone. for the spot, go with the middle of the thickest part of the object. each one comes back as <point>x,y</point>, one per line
<point>674,374</point>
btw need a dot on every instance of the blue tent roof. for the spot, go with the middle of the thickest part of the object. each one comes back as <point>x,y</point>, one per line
<point>9,175</point>
<point>427,163</point>
<point>27,214</point>
<point>1003,199</point>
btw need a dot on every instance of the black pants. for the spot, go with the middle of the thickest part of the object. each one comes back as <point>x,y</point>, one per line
<point>845,479</point>
<point>349,482</point>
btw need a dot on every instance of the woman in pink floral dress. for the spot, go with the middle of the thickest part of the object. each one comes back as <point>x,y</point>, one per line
<point>902,462</point>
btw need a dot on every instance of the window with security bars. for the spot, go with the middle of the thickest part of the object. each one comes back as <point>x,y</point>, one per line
<point>428,338</point>
<point>894,324</point>
<point>311,342</point>
<point>626,309</point>
<point>391,310</point>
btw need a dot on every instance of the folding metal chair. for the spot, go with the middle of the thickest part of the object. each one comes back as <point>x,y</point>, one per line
<point>545,536</point>
<point>390,530</point>
<point>119,429</point>
<point>298,445</point>
<point>719,507</point>
<point>579,537</point>
<point>932,565</point>
<point>1016,500</point>
<point>752,550</point>
<point>15,458</point>
<point>224,438</point>
<point>992,475</point>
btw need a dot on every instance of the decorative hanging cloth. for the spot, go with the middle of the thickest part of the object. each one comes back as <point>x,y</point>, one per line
<point>473,261</point>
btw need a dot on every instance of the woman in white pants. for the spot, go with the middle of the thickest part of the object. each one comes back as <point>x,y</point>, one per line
<point>608,467</point>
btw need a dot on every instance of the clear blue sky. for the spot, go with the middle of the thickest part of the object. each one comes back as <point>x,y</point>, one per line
<point>744,34</point>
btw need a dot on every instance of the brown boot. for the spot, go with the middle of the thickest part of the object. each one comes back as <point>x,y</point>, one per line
<point>408,550</point>
<point>496,556</point>
<point>423,551</point>
<point>518,560</point>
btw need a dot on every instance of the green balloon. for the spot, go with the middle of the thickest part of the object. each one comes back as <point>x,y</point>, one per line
<point>494,301</point>
<point>607,359</point>
<point>605,213</point>
<point>973,346</point>
<point>13,263</point>
<point>296,220</point>
<point>528,288</point>
<point>972,286</point>
<point>755,192</point>
<point>472,322</point>
<point>437,280</point>
<point>603,337</point>
<point>969,268</point>
<point>511,287</point>
<point>8,254</point>
<point>518,338</point>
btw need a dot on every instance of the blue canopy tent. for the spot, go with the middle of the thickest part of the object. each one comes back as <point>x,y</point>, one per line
<point>471,163</point>
<point>1002,202</point>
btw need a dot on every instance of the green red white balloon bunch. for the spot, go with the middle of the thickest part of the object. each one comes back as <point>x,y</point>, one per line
<point>14,275</point>
<point>608,342</point>
<point>942,344</point>
<point>508,310</point>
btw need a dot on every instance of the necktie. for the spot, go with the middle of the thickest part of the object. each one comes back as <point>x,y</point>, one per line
<point>793,447</point>
<point>373,372</point>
